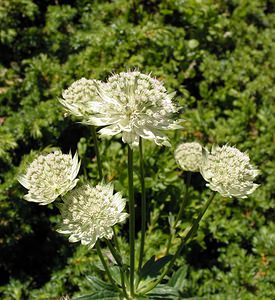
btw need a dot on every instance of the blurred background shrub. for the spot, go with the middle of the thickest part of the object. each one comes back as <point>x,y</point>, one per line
<point>219,56</point>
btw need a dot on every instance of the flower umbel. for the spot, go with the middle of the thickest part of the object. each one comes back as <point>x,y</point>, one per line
<point>228,171</point>
<point>78,97</point>
<point>130,103</point>
<point>189,156</point>
<point>90,212</point>
<point>50,176</point>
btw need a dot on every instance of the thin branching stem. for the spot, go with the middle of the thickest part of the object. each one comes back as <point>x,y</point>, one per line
<point>131,219</point>
<point>99,252</point>
<point>116,240</point>
<point>189,234</point>
<point>143,205</point>
<point>97,153</point>
<point>119,262</point>
<point>180,212</point>
<point>114,252</point>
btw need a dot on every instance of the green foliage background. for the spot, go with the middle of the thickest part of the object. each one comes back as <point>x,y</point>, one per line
<point>218,55</point>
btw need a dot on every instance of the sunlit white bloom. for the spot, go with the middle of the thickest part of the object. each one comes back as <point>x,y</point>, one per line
<point>131,103</point>
<point>78,97</point>
<point>50,176</point>
<point>90,212</point>
<point>189,156</point>
<point>228,171</point>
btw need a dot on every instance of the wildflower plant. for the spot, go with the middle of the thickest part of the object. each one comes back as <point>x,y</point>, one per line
<point>138,107</point>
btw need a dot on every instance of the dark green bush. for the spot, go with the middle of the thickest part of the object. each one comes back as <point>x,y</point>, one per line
<point>217,55</point>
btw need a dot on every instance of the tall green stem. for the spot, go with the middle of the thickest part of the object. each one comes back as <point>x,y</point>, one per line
<point>143,205</point>
<point>99,166</point>
<point>105,265</point>
<point>189,234</point>
<point>179,215</point>
<point>119,262</point>
<point>131,218</point>
<point>114,252</point>
<point>116,240</point>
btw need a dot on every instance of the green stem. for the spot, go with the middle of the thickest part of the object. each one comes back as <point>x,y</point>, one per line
<point>114,252</point>
<point>119,262</point>
<point>190,233</point>
<point>179,215</point>
<point>116,240</point>
<point>99,166</point>
<point>184,202</point>
<point>105,265</point>
<point>131,218</point>
<point>143,205</point>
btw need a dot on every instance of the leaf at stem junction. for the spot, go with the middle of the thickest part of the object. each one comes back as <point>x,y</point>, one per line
<point>101,290</point>
<point>100,295</point>
<point>98,285</point>
<point>152,267</point>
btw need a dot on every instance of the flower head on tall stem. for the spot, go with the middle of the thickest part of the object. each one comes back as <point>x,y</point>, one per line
<point>189,156</point>
<point>89,213</point>
<point>131,103</point>
<point>50,176</point>
<point>228,171</point>
<point>77,98</point>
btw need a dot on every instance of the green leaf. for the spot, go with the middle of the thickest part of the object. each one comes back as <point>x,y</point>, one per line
<point>164,292</point>
<point>100,295</point>
<point>152,267</point>
<point>99,285</point>
<point>178,279</point>
<point>101,289</point>
<point>115,273</point>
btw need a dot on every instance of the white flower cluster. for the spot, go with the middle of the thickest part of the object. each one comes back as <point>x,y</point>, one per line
<point>50,176</point>
<point>90,212</point>
<point>189,156</point>
<point>79,96</point>
<point>130,103</point>
<point>228,171</point>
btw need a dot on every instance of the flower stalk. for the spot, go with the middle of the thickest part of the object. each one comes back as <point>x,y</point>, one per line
<point>97,153</point>
<point>131,218</point>
<point>119,262</point>
<point>189,234</point>
<point>106,268</point>
<point>143,205</point>
<point>179,215</point>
